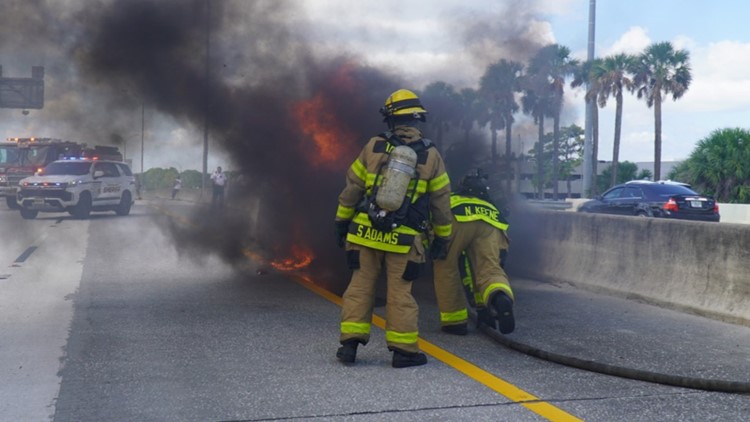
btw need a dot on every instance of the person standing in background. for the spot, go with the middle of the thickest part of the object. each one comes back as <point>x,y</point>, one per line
<point>176,187</point>
<point>218,180</point>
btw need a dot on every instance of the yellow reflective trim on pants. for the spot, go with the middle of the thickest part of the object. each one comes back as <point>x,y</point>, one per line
<point>492,288</point>
<point>443,230</point>
<point>345,213</point>
<point>406,338</point>
<point>355,327</point>
<point>458,316</point>
<point>438,183</point>
<point>359,169</point>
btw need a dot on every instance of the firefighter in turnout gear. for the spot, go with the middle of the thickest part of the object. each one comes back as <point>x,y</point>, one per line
<point>379,235</point>
<point>479,239</point>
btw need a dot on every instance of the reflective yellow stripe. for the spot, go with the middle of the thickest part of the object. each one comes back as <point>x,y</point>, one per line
<point>399,240</point>
<point>458,316</point>
<point>345,213</point>
<point>355,327</point>
<point>438,183</point>
<point>443,231</point>
<point>359,169</point>
<point>370,180</point>
<point>377,245</point>
<point>474,209</point>
<point>495,287</point>
<point>421,186</point>
<point>364,220</point>
<point>406,338</point>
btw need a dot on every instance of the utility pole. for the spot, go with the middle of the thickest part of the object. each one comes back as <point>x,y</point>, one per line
<point>143,171</point>
<point>588,142</point>
<point>206,99</point>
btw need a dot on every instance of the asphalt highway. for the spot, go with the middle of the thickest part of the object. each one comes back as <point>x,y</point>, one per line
<point>105,320</point>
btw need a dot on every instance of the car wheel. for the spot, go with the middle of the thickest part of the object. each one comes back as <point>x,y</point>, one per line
<point>125,204</point>
<point>28,214</point>
<point>641,214</point>
<point>83,208</point>
<point>12,204</point>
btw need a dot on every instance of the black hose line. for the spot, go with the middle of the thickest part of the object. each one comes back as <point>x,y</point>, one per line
<point>618,371</point>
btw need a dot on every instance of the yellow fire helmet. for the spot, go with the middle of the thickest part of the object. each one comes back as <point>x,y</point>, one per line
<point>403,103</point>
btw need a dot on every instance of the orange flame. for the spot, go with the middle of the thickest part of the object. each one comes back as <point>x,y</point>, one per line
<point>300,258</point>
<point>316,120</point>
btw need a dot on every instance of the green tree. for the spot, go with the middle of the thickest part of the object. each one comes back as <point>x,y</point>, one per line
<point>570,155</point>
<point>719,166</point>
<point>549,68</point>
<point>159,178</point>
<point>660,71</point>
<point>534,102</point>
<point>498,86</point>
<point>442,103</point>
<point>470,108</point>
<point>191,179</point>
<point>613,78</point>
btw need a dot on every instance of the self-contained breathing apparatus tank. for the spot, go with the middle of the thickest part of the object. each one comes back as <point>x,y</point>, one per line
<point>398,172</point>
<point>389,204</point>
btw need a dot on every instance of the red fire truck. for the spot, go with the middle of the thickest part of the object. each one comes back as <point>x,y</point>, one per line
<point>22,157</point>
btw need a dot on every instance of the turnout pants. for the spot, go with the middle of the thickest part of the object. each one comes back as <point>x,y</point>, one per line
<point>482,244</point>
<point>401,310</point>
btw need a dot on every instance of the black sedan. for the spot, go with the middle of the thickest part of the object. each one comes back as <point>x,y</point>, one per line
<point>654,199</point>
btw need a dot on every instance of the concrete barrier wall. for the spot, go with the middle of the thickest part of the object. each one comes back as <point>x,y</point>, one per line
<point>702,268</point>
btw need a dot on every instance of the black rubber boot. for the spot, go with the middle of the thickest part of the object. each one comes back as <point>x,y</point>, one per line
<point>404,360</point>
<point>504,307</point>
<point>457,329</point>
<point>347,353</point>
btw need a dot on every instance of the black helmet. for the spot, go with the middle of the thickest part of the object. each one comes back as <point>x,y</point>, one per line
<point>475,184</point>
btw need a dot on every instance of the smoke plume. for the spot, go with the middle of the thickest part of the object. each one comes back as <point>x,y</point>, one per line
<point>290,121</point>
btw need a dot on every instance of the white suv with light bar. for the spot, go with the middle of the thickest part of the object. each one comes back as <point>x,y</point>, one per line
<point>78,186</point>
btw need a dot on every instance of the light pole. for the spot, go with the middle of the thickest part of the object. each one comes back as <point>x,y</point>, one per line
<point>588,141</point>
<point>207,99</point>
<point>143,172</point>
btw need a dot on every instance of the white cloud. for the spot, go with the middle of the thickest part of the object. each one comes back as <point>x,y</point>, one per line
<point>634,41</point>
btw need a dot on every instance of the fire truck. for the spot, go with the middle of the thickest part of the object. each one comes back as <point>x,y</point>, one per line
<point>23,157</point>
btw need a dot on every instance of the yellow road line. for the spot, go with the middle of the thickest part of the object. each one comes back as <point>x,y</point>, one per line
<point>474,372</point>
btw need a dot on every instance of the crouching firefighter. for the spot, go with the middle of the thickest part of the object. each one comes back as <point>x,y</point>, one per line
<point>479,240</point>
<point>395,189</point>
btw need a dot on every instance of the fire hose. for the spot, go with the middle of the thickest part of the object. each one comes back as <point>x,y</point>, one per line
<point>618,371</point>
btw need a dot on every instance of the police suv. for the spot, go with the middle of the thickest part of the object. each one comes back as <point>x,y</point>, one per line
<point>78,186</point>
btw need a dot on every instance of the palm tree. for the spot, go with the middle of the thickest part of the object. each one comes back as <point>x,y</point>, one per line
<point>582,75</point>
<point>553,64</point>
<point>661,70</point>
<point>534,103</point>
<point>470,108</point>
<point>441,101</point>
<point>613,78</point>
<point>498,86</point>
<point>719,166</point>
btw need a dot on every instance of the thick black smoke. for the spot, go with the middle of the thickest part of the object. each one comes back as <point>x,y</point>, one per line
<point>157,49</point>
<point>120,55</point>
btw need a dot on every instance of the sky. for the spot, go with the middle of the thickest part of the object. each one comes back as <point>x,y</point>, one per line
<point>421,42</point>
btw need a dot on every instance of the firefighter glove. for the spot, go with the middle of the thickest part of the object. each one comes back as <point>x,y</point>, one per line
<point>342,228</point>
<point>439,248</point>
